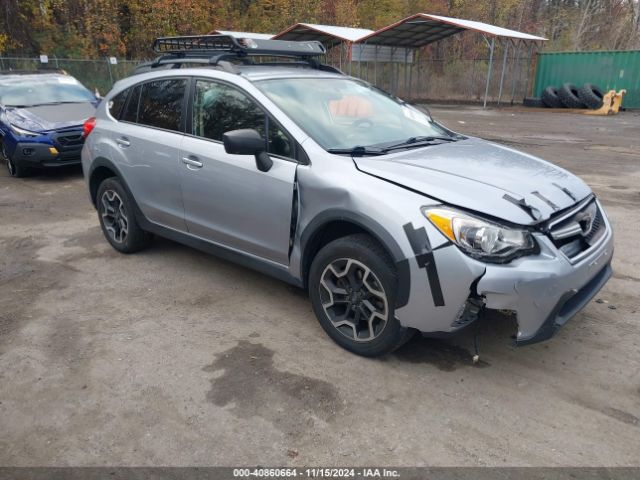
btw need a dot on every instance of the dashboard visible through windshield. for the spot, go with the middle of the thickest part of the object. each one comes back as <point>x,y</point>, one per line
<point>345,114</point>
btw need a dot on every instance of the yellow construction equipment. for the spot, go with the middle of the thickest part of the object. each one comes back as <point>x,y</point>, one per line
<point>611,103</point>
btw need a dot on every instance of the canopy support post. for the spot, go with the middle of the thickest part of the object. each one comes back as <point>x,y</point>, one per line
<point>504,66</point>
<point>394,73</point>
<point>517,70</point>
<point>406,55</point>
<point>375,66</point>
<point>413,59</point>
<point>359,58</point>
<point>491,48</point>
<point>529,61</point>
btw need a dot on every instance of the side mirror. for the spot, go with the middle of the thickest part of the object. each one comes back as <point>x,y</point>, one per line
<point>248,142</point>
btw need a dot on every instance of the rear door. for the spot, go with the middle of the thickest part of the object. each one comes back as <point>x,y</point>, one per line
<point>227,199</point>
<point>147,141</point>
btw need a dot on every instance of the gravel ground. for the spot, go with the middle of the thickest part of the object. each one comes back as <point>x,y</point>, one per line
<point>173,357</point>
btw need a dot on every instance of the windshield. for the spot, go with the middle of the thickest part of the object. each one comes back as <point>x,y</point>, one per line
<point>342,113</point>
<point>29,91</point>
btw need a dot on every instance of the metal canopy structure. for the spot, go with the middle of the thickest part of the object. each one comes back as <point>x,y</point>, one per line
<point>422,29</point>
<point>327,34</point>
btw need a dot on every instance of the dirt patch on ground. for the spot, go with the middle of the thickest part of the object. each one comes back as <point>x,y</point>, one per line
<point>249,383</point>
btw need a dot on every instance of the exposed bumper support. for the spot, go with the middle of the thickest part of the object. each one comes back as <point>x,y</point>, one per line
<point>547,290</point>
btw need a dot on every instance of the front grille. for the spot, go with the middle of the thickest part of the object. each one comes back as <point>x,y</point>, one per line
<point>69,144</point>
<point>579,230</point>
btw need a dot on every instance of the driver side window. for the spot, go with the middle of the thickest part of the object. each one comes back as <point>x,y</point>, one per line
<point>219,108</point>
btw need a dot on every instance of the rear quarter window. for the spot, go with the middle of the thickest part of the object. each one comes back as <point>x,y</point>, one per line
<point>130,113</point>
<point>117,103</point>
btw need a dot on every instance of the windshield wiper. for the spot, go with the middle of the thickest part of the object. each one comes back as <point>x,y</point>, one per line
<point>418,142</point>
<point>358,151</point>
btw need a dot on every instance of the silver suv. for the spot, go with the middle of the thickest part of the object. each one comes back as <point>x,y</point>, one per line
<point>393,223</point>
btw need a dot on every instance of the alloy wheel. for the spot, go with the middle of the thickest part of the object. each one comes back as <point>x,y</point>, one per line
<point>354,299</point>
<point>114,216</point>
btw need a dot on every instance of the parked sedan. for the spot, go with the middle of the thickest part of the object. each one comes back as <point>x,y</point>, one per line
<point>41,118</point>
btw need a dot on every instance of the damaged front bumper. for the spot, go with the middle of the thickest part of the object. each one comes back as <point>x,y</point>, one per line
<point>448,290</point>
<point>547,290</point>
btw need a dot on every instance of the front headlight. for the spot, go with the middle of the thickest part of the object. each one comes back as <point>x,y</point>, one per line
<point>22,132</point>
<point>479,238</point>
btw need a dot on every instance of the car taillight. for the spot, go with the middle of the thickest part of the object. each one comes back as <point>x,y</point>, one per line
<point>88,126</point>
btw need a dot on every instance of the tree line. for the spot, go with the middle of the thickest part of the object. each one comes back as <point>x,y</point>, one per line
<point>126,28</point>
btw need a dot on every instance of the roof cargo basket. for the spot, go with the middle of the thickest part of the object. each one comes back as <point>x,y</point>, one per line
<point>202,44</point>
<point>221,50</point>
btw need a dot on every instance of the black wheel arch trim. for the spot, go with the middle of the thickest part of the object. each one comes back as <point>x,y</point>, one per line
<point>102,162</point>
<point>370,226</point>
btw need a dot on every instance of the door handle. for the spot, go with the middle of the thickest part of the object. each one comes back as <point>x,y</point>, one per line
<point>192,163</point>
<point>123,141</point>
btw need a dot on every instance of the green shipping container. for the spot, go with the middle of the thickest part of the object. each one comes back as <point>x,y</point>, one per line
<point>608,70</point>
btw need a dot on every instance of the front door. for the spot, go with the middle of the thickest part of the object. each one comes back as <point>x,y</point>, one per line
<point>226,198</point>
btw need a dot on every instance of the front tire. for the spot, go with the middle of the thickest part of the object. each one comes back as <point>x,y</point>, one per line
<point>117,218</point>
<point>17,171</point>
<point>352,286</point>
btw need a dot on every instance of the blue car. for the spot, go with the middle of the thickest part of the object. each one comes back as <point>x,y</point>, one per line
<point>41,120</point>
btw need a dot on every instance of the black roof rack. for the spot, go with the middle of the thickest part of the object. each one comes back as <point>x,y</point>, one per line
<point>239,46</point>
<point>213,49</point>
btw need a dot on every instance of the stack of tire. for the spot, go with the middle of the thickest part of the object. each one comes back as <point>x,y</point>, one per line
<point>568,96</point>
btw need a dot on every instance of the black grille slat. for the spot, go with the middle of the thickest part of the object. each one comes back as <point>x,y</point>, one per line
<point>580,242</point>
<point>68,141</point>
<point>69,144</point>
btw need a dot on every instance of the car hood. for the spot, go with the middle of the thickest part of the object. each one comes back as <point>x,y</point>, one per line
<point>44,118</point>
<point>484,177</point>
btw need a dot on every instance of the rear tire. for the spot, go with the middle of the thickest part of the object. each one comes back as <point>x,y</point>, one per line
<point>568,94</point>
<point>550,98</point>
<point>591,96</point>
<point>352,286</point>
<point>117,218</point>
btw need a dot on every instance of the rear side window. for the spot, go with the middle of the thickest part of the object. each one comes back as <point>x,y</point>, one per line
<point>117,102</point>
<point>130,113</point>
<point>161,103</point>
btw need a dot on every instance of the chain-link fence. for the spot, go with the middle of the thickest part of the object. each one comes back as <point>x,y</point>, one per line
<point>94,74</point>
<point>460,80</point>
<point>429,80</point>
